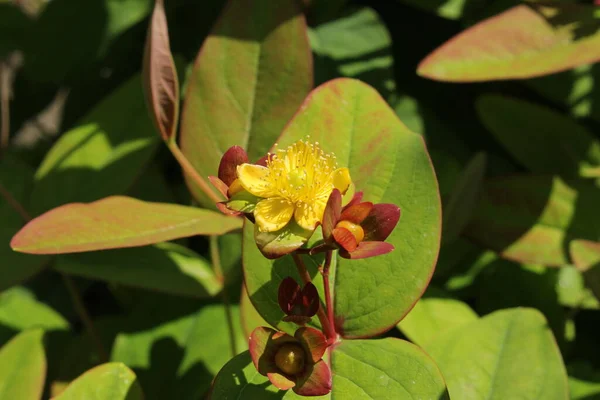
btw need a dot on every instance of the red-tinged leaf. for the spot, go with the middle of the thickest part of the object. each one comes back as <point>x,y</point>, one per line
<point>280,381</point>
<point>523,42</point>
<point>116,222</point>
<point>160,76</point>
<point>219,185</point>
<point>357,198</point>
<point>357,212</point>
<point>332,213</point>
<point>257,346</point>
<point>368,249</point>
<point>345,238</point>
<point>251,75</point>
<point>289,291</point>
<point>316,380</point>
<point>381,221</point>
<point>314,342</point>
<point>276,244</point>
<point>233,157</point>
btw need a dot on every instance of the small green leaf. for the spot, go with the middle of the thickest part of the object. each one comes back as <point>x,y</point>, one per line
<point>101,156</point>
<point>462,201</point>
<point>19,310</point>
<point>542,140</point>
<point>15,179</point>
<point>508,354</point>
<point>110,381</point>
<point>23,366</point>
<point>450,9</point>
<point>433,314</point>
<point>169,350</point>
<point>586,257</point>
<point>572,291</point>
<point>251,75</point>
<point>116,222</point>
<point>532,219</point>
<point>584,381</point>
<point>361,370</point>
<point>165,267</point>
<point>526,41</point>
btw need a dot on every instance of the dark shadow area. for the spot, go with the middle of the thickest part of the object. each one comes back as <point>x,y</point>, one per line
<point>579,21</point>
<point>582,371</point>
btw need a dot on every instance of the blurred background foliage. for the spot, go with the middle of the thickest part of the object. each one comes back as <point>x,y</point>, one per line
<point>71,67</point>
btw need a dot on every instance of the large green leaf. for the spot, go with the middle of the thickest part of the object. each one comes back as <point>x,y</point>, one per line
<point>165,267</point>
<point>525,41</point>
<point>251,75</point>
<point>15,179</point>
<point>23,366</point>
<point>361,369</point>
<point>391,165</point>
<point>433,314</point>
<point>533,218</point>
<point>542,140</point>
<point>102,155</point>
<point>509,354</point>
<point>356,45</point>
<point>110,381</point>
<point>20,310</point>
<point>179,348</point>
<point>116,222</point>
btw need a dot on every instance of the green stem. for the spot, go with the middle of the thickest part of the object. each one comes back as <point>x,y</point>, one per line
<point>328,328</point>
<point>4,107</point>
<point>189,169</point>
<point>218,269</point>
<point>85,316</point>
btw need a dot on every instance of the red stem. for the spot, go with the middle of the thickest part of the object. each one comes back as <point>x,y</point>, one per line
<point>328,328</point>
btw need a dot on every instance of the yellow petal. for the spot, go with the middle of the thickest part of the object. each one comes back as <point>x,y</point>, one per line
<point>308,217</point>
<point>254,178</point>
<point>341,179</point>
<point>273,214</point>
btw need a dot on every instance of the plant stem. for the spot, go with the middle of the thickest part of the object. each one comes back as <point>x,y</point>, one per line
<point>328,300</point>
<point>191,171</point>
<point>14,203</point>
<point>218,269</point>
<point>4,106</point>
<point>328,328</point>
<point>85,316</point>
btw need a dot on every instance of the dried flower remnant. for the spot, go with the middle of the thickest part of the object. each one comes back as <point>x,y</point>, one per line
<point>298,304</point>
<point>296,182</point>
<point>292,362</point>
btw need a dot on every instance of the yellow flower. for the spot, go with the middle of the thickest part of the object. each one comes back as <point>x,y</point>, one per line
<point>296,182</point>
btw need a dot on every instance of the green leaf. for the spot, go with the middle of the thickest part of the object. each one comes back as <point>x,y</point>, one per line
<point>249,317</point>
<point>19,311</point>
<point>572,291</point>
<point>450,9</point>
<point>462,201</point>
<point>177,351</point>
<point>532,219</point>
<point>586,257</point>
<point>165,267</point>
<point>110,381</point>
<point>116,222</point>
<point>23,366</point>
<point>584,381</point>
<point>526,41</point>
<point>101,156</point>
<point>15,184</point>
<point>505,355</point>
<point>361,369</point>
<point>160,76</point>
<point>251,75</point>
<point>391,165</point>
<point>542,140</point>
<point>435,313</point>
<point>355,45</point>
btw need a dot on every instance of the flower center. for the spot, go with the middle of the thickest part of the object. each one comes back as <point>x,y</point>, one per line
<point>290,358</point>
<point>302,173</point>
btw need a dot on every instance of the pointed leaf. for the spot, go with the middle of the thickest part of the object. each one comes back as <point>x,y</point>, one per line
<point>165,267</point>
<point>251,75</point>
<point>461,203</point>
<point>160,76</point>
<point>101,156</point>
<point>391,165</point>
<point>542,140</point>
<point>523,42</point>
<point>23,366</point>
<point>316,380</point>
<point>111,381</point>
<point>533,218</point>
<point>505,355</point>
<point>116,222</point>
